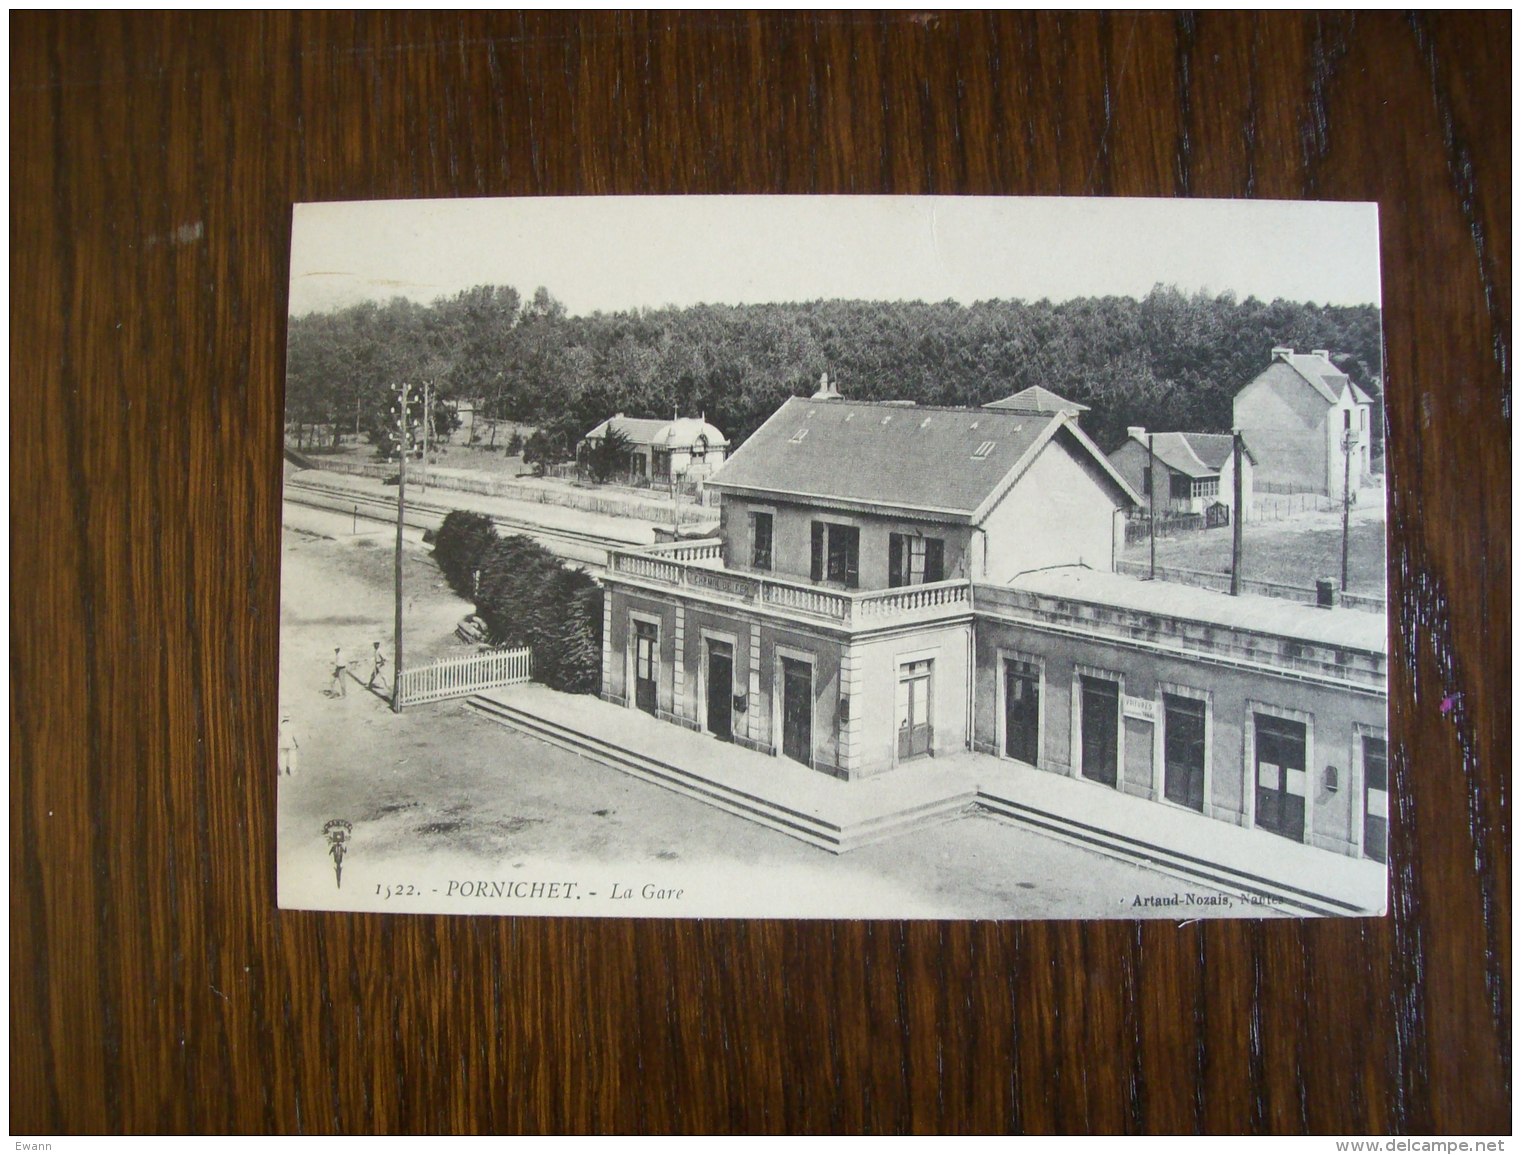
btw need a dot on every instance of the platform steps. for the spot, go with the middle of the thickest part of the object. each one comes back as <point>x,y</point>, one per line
<point>1202,872</point>
<point>809,828</point>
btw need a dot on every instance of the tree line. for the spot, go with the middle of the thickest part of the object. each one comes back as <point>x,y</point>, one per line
<point>1169,360</point>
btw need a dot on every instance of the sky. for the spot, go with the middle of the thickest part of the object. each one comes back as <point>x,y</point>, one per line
<point>612,253</point>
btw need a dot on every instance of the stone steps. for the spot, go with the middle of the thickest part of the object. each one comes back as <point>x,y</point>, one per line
<point>837,837</point>
<point>1201,871</point>
<point>845,828</point>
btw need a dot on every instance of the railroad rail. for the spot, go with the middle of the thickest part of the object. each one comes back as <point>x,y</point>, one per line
<point>580,546</point>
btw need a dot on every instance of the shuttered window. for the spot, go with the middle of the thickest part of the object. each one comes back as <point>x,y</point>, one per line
<point>760,540</point>
<point>836,554</point>
<point>914,560</point>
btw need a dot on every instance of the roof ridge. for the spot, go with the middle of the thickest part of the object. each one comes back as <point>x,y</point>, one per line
<point>912,405</point>
<point>1318,381</point>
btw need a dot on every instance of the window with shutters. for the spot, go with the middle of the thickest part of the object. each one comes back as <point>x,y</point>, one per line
<point>836,554</point>
<point>761,527</point>
<point>914,560</point>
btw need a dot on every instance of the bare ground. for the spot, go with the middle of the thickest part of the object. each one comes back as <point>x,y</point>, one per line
<point>440,793</point>
<point>1296,551</point>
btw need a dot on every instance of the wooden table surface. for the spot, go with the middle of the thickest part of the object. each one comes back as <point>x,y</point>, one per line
<point>155,987</point>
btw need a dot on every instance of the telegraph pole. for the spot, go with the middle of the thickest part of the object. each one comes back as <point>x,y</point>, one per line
<point>1236,530</point>
<point>427,419</point>
<point>1348,443</point>
<point>1151,501</point>
<point>404,441</point>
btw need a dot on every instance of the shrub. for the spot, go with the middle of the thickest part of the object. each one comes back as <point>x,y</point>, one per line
<point>610,456</point>
<point>542,450</point>
<point>528,598</point>
<point>459,547</point>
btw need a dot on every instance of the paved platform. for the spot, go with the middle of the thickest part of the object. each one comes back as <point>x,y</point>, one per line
<point>777,792</point>
<point>838,816</point>
<point>1181,842</point>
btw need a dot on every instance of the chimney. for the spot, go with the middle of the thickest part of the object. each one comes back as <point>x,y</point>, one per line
<point>1326,353</point>
<point>1282,351</point>
<point>827,392</point>
<point>1137,431</point>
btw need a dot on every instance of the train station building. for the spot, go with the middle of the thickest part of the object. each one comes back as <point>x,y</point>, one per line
<point>892,583</point>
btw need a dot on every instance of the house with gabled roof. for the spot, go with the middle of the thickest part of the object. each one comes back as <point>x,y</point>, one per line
<point>1184,472</point>
<point>967,478</point>
<point>1308,424</point>
<point>1038,399</point>
<point>683,447</point>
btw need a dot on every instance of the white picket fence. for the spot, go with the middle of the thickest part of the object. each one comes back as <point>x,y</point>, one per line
<point>457,677</point>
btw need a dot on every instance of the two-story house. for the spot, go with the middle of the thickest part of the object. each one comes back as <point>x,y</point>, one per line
<point>830,621</point>
<point>1307,422</point>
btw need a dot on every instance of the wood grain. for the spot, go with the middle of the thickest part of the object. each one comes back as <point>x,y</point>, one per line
<point>155,987</point>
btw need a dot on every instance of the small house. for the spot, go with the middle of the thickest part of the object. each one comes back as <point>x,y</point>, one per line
<point>682,448</point>
<point>1183,472</point>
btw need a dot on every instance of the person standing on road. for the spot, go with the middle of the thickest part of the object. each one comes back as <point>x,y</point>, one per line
<point>377,672</point>
<point>340,670</point>
<point>289,748</point>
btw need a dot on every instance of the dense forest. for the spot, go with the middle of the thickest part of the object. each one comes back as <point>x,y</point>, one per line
<point>1167,361</point>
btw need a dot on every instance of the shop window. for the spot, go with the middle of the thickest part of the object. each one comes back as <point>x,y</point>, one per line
<point>1183,750</point>
<point>1282,783</point>
<point>1100,722</point>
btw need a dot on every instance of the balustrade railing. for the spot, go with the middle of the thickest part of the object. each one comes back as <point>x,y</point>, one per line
<point>645,566</point>
<point>660,564</point>
<point>907,599</point>
<point>808,599</point>
<point>704,549</point>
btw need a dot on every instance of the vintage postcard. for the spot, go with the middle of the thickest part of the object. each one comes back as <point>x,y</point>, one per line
<point>834,557</point>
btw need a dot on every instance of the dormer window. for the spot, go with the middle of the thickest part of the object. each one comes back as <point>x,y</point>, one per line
<point>983,450</point>
<point>797,438</point>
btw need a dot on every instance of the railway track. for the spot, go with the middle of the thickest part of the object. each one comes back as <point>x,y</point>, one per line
<point>587,549</point>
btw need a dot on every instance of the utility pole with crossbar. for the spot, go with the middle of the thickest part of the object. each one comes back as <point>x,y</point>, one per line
<point>404,444</point>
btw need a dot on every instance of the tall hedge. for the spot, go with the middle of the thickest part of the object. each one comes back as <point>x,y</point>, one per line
<point>459,547</point>
<point>528,598</point>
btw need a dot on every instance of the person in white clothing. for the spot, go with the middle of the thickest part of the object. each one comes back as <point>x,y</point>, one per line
<point>290,749</point>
